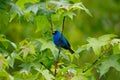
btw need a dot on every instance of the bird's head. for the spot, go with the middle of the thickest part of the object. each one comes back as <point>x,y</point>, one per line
<point>55,32</point>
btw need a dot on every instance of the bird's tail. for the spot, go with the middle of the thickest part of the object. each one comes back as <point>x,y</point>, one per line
<point>71,51</point>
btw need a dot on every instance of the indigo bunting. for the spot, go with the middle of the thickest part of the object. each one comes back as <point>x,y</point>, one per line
<point>60,41</point>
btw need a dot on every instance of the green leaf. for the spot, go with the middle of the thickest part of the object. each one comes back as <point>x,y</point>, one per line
<point>80,6</point>
<point>21,3</point>
<point>107,37</point>
<point>112,61</point>
<point>38,45</point>
<point>41,22</point>
<point>5,44</point>
<point>69,14</point>
<point>95,44</point>
<point>40,9</point>
<point>26,49</point>
<point>4,41</point>
<point>115,41</point>
<point>44,11</point>
<point>98,43</point>
<point>32,7</point>
<point>50,46</point>
<point>64,5</point>
<point>4,18</point>
<point>79,77</point>
<point>116,49</point>
<point>60,4</point>
<point>26,67</point>
<point>13,44</point>
<point>15,9</point>
<point>5,75</point>
<point>29,17</point>
<point>46,74</point>
<point>11,59</point>
<point>3,62</point>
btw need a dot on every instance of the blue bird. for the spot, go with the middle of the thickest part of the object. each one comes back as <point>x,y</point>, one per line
<point>60,41</point>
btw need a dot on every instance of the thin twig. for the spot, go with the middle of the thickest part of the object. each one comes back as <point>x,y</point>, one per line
<point>63,25</point>
<point>92,64</point>
<point>56,61</point>
<point>46,67</point>
<point>51,25</point>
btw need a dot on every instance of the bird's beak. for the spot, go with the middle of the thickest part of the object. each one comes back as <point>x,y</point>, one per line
<point>53,33</point>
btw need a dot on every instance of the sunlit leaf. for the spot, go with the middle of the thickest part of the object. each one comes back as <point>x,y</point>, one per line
<point>38,45</point>
<point>60,4</point>
<point>51,46</point>
<point>107,37</point>
<point>98,43</point>
<point>46,74</point>
<point>115,41</point>
<point>3,62</point>
<point>26,49</point>
<point>64,5</point>
<point>26,67</point>
<point>80,6</point>
<point>11,59</point>
<point>69,14</point>
<point>32,8</point>
<point>13,44</point>
<point>15,9</point>
<point>21,3</point>
<point>95,44</point>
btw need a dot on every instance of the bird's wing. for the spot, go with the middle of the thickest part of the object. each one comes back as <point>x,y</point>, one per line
<point>65,43</point>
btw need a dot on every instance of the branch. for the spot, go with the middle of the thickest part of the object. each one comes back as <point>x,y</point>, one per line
<point>63,25</point>
<point>46,67</point>
<point>51,25</point>
<point>92,64</point>
<point>56,61</point>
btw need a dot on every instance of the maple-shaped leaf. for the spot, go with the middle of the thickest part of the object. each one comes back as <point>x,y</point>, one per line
<point>112,61</point>
<point>98,43</point>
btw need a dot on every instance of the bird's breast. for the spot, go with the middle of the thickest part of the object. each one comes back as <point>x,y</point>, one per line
<point>56,40</point>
